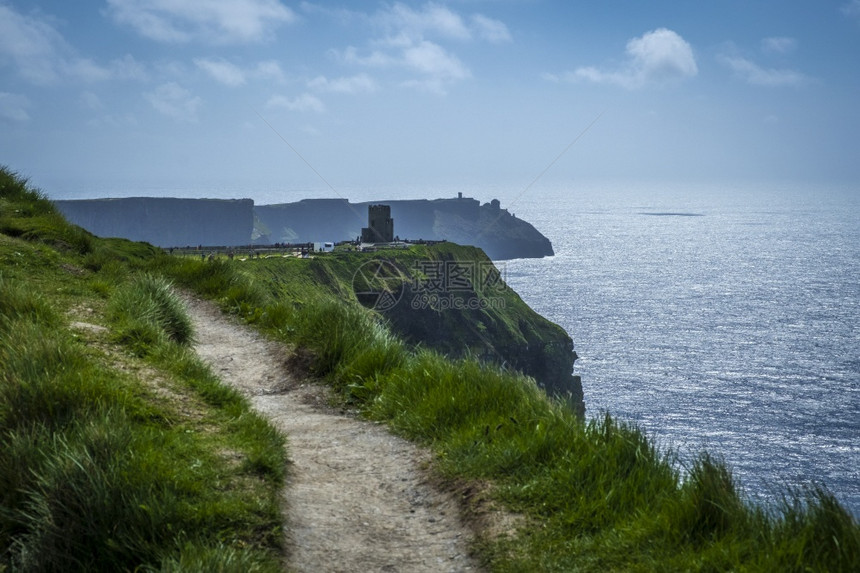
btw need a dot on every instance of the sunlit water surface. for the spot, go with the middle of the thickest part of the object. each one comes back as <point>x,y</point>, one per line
<point>724,319</point>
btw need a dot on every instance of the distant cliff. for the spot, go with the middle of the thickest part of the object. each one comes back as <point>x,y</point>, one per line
<point>164,221</point>
<point>168,222</point>
<point>463,220</point>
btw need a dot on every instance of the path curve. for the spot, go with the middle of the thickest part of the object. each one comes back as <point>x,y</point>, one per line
<point>357,497</point>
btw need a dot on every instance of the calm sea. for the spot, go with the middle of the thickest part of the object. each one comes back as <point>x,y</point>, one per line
<point>721,317</point>
<point>716,318</point>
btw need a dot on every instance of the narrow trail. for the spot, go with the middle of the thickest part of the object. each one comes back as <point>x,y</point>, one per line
<point>357,498</point>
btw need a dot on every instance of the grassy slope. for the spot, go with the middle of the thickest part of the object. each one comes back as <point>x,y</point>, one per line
<point>118,449</point>
<point>596,496</point>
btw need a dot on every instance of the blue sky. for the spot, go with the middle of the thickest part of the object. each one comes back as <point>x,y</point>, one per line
<point>138,95</point>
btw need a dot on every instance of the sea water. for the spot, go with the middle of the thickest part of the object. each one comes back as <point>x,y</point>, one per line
<point>720,318</point>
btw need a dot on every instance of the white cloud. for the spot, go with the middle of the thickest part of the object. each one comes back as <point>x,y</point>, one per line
<point>32,44</point>
<point>302,103</point>
<point>657,57</point>
<point>434,65</point>
<point>494,31</point>
<point>14,107</point>
<point>434,19</point>
<point>404,25</point>
<point>43,57</point>
<point>216,21</point>
<point>756,75</point>
<point>376,59</point>
<point>270,70</point>
<point>415,40</point>
<point>434,61</point>
<point>232,75</point>
<point>778,45</point>
<point>661,55</point>
<point>222,71</point>
<point>174,101</point>
<point>361,83</point>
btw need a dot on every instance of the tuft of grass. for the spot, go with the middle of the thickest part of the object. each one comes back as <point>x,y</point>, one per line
<point>218,279</point>
<point>216,557</point>
<point>147,314</point>
<point>334,331</point>
<point>813,531</point>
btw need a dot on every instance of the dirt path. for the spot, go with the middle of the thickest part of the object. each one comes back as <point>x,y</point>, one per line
<point>357,497</point>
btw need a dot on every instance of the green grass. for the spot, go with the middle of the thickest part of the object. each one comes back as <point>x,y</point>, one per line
<point>130,458</point>
<point>97,474</point>
<point>147,314</point>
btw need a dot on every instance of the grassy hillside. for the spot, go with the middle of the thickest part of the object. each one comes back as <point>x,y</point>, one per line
<point>119,450</point>
<point>108,436</point>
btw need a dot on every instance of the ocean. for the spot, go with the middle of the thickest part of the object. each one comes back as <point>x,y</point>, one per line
<point>717,317</point>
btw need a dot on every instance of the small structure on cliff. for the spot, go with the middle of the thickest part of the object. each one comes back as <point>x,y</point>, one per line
<point>380,225</point>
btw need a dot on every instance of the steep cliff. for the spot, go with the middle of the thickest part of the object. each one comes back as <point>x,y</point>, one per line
<point>455,300</point>
<point>446,297</point>
<point>164,221</point>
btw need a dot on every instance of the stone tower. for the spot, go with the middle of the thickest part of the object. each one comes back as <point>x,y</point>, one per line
<point>380,225</point>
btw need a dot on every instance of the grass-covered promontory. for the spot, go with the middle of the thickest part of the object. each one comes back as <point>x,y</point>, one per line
<point>118,439</point>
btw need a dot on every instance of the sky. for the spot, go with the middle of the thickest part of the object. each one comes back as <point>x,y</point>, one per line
<point>125,97</point>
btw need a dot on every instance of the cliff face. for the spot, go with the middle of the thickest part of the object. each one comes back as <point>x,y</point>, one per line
<point>169,222</point>
<point>165,222</point>
<point>454,300</point>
